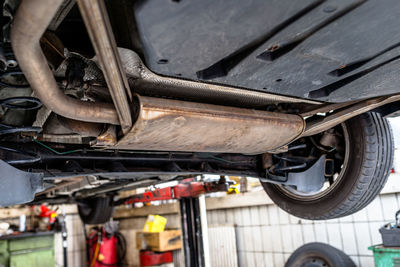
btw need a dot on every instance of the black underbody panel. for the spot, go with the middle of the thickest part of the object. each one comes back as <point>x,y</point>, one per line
<point>333,50</point>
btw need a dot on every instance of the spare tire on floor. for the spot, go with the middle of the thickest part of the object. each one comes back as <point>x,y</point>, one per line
<point>319,255</point>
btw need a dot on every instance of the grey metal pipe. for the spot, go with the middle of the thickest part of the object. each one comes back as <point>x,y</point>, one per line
<point>97,23</point>
<point>30,23</point>
<point>145,82</point>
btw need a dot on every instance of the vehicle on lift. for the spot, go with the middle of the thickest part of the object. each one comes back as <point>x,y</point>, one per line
<point>98,97</point>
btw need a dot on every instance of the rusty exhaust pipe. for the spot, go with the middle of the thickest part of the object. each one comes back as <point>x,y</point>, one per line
<point>172,125</point>
<point>30,22</point>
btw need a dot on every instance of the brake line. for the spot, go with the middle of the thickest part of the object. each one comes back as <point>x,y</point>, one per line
<point>55,151</point>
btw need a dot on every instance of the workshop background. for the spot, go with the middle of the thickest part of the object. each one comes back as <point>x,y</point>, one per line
<point>246,229</point>
<point>254,231</point>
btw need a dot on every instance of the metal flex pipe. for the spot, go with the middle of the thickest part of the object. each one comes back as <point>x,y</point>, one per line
<point>146,82</point>
<point>31,21</point>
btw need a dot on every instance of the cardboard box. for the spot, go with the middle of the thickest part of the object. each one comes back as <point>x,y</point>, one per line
<point>161,241</point>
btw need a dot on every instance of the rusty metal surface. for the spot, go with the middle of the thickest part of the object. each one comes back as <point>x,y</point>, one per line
<point>82,127</point>
<point>61,138</point>
<point>171,125</point>
<point>107,138</point>
<point>356,109</point>
<point>148,83</point>
<point>62,184</point>
<point>53,48</point>
<point>30,22</point>
<point>97,23</point>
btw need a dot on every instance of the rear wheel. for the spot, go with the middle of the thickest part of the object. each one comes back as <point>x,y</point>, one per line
<point>319,255</point>
<point>96,210</point>
<point>361,150</point>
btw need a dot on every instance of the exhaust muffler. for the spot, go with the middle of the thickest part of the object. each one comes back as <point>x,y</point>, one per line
<point>172,125</point>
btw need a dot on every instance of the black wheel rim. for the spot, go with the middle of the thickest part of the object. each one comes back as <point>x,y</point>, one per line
<point>329,186</point>
<point>314,262</point>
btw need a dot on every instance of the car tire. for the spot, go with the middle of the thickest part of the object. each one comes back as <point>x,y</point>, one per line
<point>96,210</point>
<point>370,159</point>
<point>319,254</point>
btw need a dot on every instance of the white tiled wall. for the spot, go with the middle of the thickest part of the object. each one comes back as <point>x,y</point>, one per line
<point>224,244</point>
<point>75,242</point>
<point>266,235</point>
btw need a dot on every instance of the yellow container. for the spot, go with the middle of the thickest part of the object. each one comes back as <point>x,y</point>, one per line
<point>155,224</point>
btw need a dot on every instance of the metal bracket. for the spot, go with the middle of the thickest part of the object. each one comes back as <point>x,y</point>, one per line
<point>311,180</point>
<point>97,23</point>
<point>17,186</point>
<point>343,113</point>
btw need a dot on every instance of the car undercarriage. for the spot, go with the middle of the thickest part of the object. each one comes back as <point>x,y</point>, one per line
<point>101,96</point>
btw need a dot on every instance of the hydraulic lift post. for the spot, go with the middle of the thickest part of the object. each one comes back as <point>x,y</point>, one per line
<point>188,193</point>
